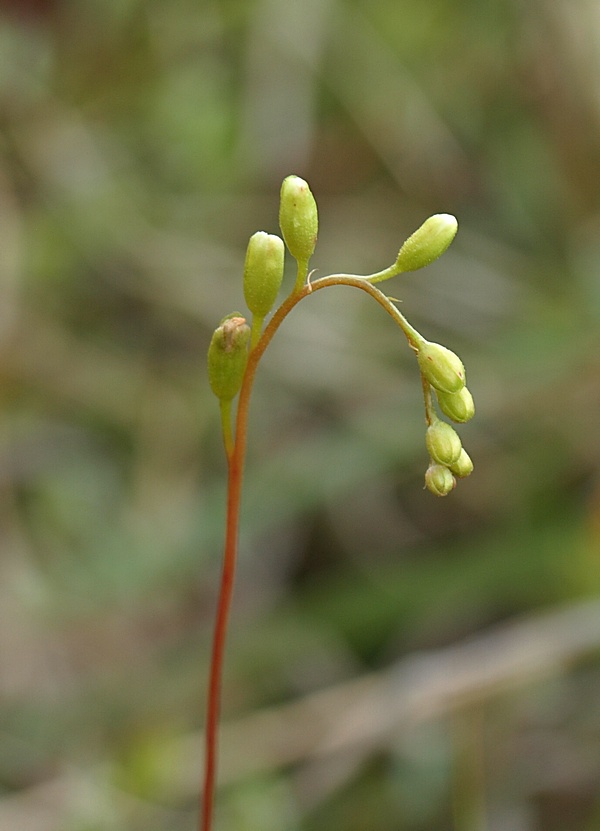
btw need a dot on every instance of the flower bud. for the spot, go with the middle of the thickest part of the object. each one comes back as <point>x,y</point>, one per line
<point>227,356</point>
<point>458,406</point>
<point>298,218</point>
<point>441,367</point>
<point>263,272</point>
<point>463,466</point>
<point>427,243</point>
<point>439,480</point>
<point>443,443</point>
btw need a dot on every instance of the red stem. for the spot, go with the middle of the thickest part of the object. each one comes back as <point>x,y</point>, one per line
<point>218,649</point>
<point>235,461</point>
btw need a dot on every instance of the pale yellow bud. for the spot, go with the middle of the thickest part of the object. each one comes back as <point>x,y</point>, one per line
<point>458,406</point>
<point>427,243</point>
<point>443,443</point>
<point>263,272</point>
<point>439,481</point>
<point>298,218</point>
<point>463,466</point>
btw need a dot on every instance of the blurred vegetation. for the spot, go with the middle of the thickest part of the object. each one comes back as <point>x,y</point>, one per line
<point>141,143</point>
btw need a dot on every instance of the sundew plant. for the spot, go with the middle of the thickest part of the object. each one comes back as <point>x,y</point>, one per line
<point>234,354</point>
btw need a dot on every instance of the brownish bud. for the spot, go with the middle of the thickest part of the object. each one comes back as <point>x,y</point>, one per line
<point>227,356</point>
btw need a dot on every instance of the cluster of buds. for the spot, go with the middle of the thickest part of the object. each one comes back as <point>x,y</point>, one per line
<point>443,371</point>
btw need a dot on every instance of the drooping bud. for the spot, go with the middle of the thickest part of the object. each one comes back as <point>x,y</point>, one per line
<point>227,356</point>
<point>298,218</point>
<point>443,443</point>
<point>442,368</point>
<point>439,480</point>
<point>458,406</point>
<point>427,243</point>
<point>463,466</point>
<point>263,272</point>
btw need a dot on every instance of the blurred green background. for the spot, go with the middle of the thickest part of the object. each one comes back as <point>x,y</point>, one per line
<point>396,662</point>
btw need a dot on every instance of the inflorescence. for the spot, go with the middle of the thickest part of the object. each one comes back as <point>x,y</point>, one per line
<point>442,371</point>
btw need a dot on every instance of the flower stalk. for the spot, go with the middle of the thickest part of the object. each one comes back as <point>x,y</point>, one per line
<point>233,359</point>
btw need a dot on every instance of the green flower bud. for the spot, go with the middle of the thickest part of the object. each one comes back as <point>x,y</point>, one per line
<point>298,218</point>
<point>227,356</point>
<point>443,443</point>
<point>439,480</point>
<point>463,466</point>
<point>441,367</point>
<point>427,243</point>
<point>458,406</point>
<point>263,272</point>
